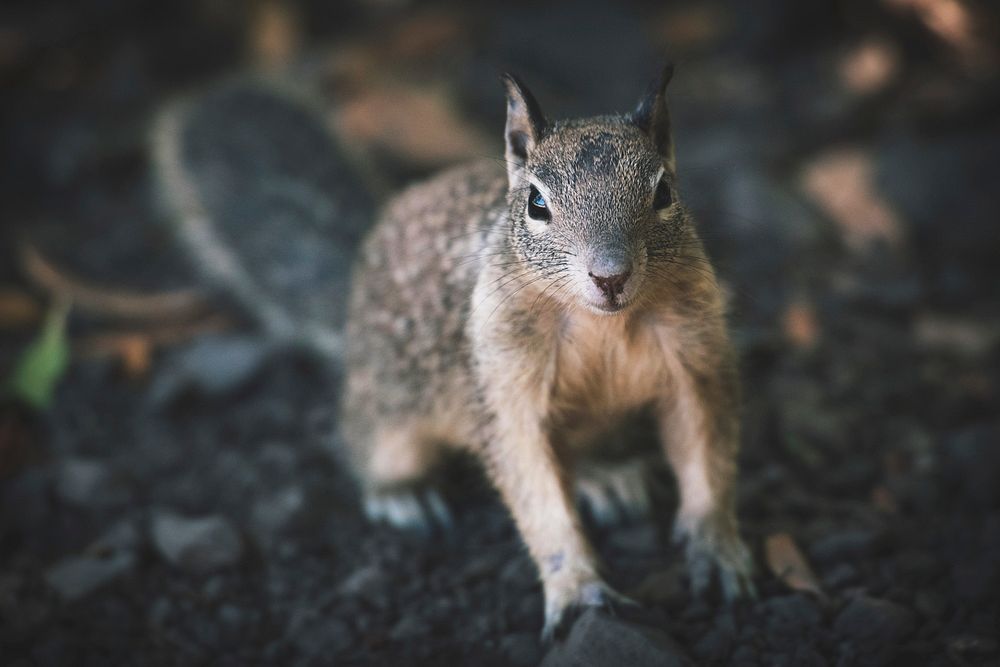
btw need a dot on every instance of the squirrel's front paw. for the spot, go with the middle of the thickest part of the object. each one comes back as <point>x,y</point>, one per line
<point>710,550</point>
<point>564,603</point>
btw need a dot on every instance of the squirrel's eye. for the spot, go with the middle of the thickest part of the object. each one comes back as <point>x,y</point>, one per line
<point>662,198</point>
<point>538,208</point>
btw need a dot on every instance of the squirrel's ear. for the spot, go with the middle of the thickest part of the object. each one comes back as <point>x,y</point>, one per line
<point>653,117</point>
<point>525,125</point>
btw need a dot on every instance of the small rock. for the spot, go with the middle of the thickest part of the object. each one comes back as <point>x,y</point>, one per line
<point>408,627</point>
<point>716,644</point>
<point>213,588</point>
<point>846,545</point>
<point>744,656</point>
<point>970,463</point>
<point>519,573</point>
<point>871,620</point>
<point>79,576</point>
<point>197,545</point>
<point>84,482</point>
<point>272,513</point>
<point>361,580</point>
<point>930,604</point>
<point>843,574</point>
<point>975,577</point>
<point>526,613</point>
<point>971,645</point>
<point>317,634</point>
<point>918,567</point>
<point>231,615</point>
<point>599,640</point>
<point>211,367</point>
<point>791,614</point>
<point>664,587</point>
<point>521,649</point>
<point>159,612</point>
<point>123,536</point>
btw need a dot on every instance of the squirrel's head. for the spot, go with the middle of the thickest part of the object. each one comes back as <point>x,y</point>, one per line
<point>593,203</point>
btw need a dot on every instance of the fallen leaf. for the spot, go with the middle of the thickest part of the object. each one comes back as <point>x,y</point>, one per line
<point>787,563</point>
<point>275,34</point>
<point>870,67</point>
<point>883,499</point>
<point>43,363</point>
<point>842,183</point>
<point>418,124</point>
<point>800,325</point>
<point>17,309</point>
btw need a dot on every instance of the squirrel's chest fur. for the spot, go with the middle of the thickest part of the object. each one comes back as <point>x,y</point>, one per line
<point>604,367</point>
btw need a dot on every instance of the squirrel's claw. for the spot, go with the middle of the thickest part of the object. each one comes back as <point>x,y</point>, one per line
<point>562,611</point>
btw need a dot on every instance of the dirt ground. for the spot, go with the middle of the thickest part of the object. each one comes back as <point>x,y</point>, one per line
<point>842,162</point>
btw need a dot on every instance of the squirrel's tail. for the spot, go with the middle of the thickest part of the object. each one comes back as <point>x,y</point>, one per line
<point>267,205</point>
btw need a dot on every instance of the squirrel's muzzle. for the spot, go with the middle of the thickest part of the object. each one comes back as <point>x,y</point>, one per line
<point>610,272</point>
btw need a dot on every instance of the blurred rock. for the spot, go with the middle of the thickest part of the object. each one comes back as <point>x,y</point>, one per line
<point>197,545</point>
<point>718,642</point>
<point>846,545</point>
<point>210,367</point>
<point>79,576</point>
<point>874,623</point>
<point>599,640</point>
<point>970,464</point>
<point>522,649</point>
<point>272,513</point>
<point>791,615</point>
<point>123,536</point>
<point>843,574</point>
<point>408,627</point>
<point>86,483</point>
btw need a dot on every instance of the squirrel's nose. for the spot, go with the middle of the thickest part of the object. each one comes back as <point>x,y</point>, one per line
<point>611,274</point>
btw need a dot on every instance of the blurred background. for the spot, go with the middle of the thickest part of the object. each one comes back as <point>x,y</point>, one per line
<point>169,484</point>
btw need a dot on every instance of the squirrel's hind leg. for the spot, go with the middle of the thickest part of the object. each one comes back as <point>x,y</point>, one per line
<point>614,492</point>
<point>398,480</point>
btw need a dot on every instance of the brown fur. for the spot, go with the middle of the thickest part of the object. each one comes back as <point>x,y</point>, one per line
<point>473,325</point>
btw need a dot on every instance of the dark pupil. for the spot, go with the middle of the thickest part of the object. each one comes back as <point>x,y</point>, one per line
<point>537,208</point>
<point>662,198</point>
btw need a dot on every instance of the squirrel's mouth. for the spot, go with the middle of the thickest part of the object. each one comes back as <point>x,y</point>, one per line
<point>609,307</point>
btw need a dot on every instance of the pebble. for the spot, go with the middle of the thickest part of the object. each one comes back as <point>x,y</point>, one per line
<point>869,620</point>
<point>316,634</point>
<point>598,640</point>
<point>846,545</point>
<point>197,544</point>
<point>521,649</point>
<point>79,576</point>
<point>85,482</point>
<point>843,574</point>
<point>212,367</point>
<point>273,512</point>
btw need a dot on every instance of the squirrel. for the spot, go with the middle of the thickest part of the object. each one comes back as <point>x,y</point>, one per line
<point>518,309</point>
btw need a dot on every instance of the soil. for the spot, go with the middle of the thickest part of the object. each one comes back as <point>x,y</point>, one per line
<point>854,225</point>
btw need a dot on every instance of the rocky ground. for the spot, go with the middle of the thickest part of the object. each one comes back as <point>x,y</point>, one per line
<point>184,504</point>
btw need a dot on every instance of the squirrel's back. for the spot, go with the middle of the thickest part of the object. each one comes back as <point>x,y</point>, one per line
<point>411,294</point>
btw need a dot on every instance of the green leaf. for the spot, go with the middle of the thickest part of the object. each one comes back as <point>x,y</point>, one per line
<point>43,362</point>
